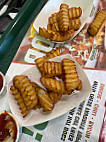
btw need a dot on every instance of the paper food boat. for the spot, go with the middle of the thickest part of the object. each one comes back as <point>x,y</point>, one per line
<point>52,6</point>
<point>66,103</point>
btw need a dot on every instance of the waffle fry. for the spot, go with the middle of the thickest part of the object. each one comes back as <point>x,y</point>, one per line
<point>55,97</point>
<point>39,62</point>
<point>49,27</point>
<point>55,27</point>
<point>71,78</point>
<point>27,91</point>
<point>45,33</point>
<point>75,24</point>
<point>53,53</point>
<point>75,12</point>
<point>64,17</point>
<point>53,85</point>
<point>97,23</point>
<point>51,68</point>
<point>79,85</point>
<point>20,101</point>
<point>63,36</point>
<point>45,101</point>
<point>50,20</point>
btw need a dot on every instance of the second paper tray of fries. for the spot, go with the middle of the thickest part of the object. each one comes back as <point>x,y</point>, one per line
<point>62,20</point>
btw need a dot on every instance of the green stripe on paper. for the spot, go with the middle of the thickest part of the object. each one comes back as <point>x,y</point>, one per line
<point>38,137</point>
<point>27,131</point>
<point>41,126</point>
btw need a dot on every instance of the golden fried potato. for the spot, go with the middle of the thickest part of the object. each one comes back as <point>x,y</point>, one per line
<point>64,17</point>
<point>45,33</point>
<point>54,18</point>
<point>55,97</point>
<point>75,24</point>
<point>35,85</point>
<point>50,20</point>
<point>27,90</point>
<point>63,36</point>
<point>51,68</point>
<point>71,78</point>
<point>49,27</point>
<point>55,27</point>
<point>44,100</point>
<point>97,23</point>
<point>79,85</point>
<point>39,62</point>
<point>53,53</point>
<point>54,85</point>
<point>20,101</point>
<point>75,12</point>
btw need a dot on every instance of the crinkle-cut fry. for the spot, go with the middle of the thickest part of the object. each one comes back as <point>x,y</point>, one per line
<point>55,97</point>
<point>53,53</point>
<point>27,100</point>
<point>50,20</point>
<point>51,69</point>
<point>75,24</point>
<point>71,78</point>
<point>97,23</point>
<point>26,86</point>
<point>35,85</point>
<point>55,27</point>
<point>75,12</point>
<point>20,101</point>
<point>45,101</point>
<point>52,84</point>
<point>49,27</point>
<point>79,85</point>
<point>64,17</point>
<point>54,18</point>
<point>63,36</point>
<point>39,62</point>
<point>45,33</point>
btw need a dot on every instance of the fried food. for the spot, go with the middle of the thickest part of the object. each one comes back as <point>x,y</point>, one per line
<point>49,27</point>
<point>39,62</point>
<point>45,33</point>
<point>45,101</point>
<point>79,85</point>
<point>23,84</point>
<point>75,24</point>
<point>35,85</point>
<point>51,68</point>
<point>63,24</point>
<point>20,101</point>
<point>63,36</point>
<point>55,97</point>
<point>75,12</point>
<point>55,27</point>
<point>53,85</point>
<point>53,53</point>
<point>71,78</point>
<point>97,23</point>
<point>64,17</point>
<point>55,19</point>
